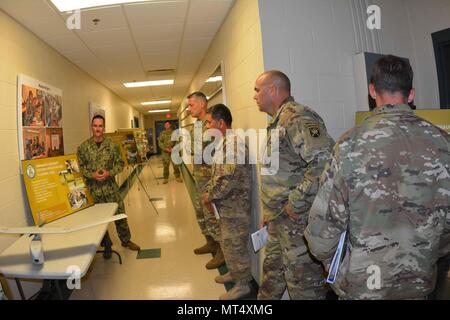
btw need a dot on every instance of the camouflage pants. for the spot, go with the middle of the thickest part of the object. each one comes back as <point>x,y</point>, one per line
<point>123,230</point>
<point>234,243</point>
<point>167,160</point>
<point>288,263</point>
<point>206,220</point>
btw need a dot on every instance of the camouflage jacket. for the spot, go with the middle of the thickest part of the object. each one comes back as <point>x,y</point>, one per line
<point>304,149</point>
<point>230,184</point>
<point>106,157</point>
<point>201,170</point>
<point>165,140</point>
<point>388,184</point>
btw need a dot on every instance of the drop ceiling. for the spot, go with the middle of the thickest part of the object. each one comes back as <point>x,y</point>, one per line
<point>131,41</point>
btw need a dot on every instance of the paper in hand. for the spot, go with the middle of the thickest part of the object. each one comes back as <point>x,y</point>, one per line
<point>216,213</point>
<point>259,238</point>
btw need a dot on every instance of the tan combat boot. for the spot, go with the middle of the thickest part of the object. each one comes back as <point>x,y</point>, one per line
<point>165,181</point>
<point>179,180</point>
<point>218,259</point>
<point>131,245</point>
<point>209,247</point>
<point>226,278</point>
<point>240,290</point>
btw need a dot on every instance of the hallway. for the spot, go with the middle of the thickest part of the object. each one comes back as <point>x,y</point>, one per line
<point>178,273</point>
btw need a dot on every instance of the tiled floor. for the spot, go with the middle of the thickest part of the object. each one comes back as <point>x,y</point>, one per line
<point>178,274</point>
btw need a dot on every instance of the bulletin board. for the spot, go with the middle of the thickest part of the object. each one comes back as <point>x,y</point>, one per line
<point>39,119</point>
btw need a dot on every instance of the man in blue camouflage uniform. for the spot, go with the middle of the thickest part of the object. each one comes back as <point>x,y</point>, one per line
<point>100,161</point>
<point>287,194</point>
<point>388,186</point>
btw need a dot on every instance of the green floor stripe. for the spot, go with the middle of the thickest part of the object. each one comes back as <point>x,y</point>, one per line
<point>149,254</point>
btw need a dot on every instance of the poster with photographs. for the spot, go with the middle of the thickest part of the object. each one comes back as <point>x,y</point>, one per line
<point>39,119</point>
<point>55,187</point>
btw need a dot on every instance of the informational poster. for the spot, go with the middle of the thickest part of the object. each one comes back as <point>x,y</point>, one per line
<point>39,119</point>
<point>438,117</point>
<point>55,187</point>
<point>119,140</point>
<point>135,145</point>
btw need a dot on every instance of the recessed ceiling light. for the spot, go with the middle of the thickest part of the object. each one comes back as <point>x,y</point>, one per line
<point>70,5</point>
<point>159,111</point>
<point>151,103</point>
<point>149,83</point>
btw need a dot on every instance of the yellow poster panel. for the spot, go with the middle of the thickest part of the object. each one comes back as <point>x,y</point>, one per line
<point>119,140</point>
<point>55,187</point>
<point>439,117</point>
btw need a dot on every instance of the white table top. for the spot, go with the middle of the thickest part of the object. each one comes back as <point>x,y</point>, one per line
<point>60,250</point>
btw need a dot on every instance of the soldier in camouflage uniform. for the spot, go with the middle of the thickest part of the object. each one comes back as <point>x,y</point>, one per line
<point>100,161</point>
<point>304,149</point>
<point>230,191</point>
<point>166,144</point>
<point>197,103</point>
<point>388,185</point>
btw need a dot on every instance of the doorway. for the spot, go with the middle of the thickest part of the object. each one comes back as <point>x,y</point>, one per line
<point>441,43</point>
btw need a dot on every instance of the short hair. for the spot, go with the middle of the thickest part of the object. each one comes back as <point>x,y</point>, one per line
<point>98,116</point>
<point>199,95</point>
<point>393,74</point>
<point>279,78</point>
<point>221,112</point>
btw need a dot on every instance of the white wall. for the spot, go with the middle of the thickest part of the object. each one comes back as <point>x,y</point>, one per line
<point>22,52</point>
<point>314,41</point>
<point>427,17</point>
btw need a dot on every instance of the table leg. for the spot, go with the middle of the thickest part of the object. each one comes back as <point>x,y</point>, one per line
<point>19,287</point>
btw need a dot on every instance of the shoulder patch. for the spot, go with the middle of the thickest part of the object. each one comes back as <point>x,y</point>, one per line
<point>314,130</point>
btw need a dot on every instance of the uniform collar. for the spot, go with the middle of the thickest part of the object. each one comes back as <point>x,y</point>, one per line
<point>392,108</point>
<point>283,104</point>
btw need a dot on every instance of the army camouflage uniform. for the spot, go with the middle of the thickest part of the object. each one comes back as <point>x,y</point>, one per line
<point>388,185</point>
<point>107,157</point>
<point>202,174</point>
<point>304,149</point>
<point>230,190</point>
<point>165,142</point>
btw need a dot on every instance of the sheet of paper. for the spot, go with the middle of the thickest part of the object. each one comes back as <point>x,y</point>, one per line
<point>334,267</point>
<point>259,238</point>
<point>216,213</point>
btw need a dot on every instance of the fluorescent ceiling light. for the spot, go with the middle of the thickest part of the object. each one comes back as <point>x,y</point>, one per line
<point>159,111</point>
<point>214,79</point>
<point>152,103</point>
<point>149,83</point>
<point>70,5</point>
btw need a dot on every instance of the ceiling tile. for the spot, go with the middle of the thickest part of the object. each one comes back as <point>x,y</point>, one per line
<point>167,32</point>
<point>208,10</point>
<point>149,47</point>
<point>160,61</point>
<point>146,14</point>
<point>110,18</point>
<point>106,37</point>
<point>201,30</point>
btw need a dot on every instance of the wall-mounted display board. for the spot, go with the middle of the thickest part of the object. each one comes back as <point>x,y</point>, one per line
<point>55,187</point>
<point>438,117</point>
<point>39,119</point>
